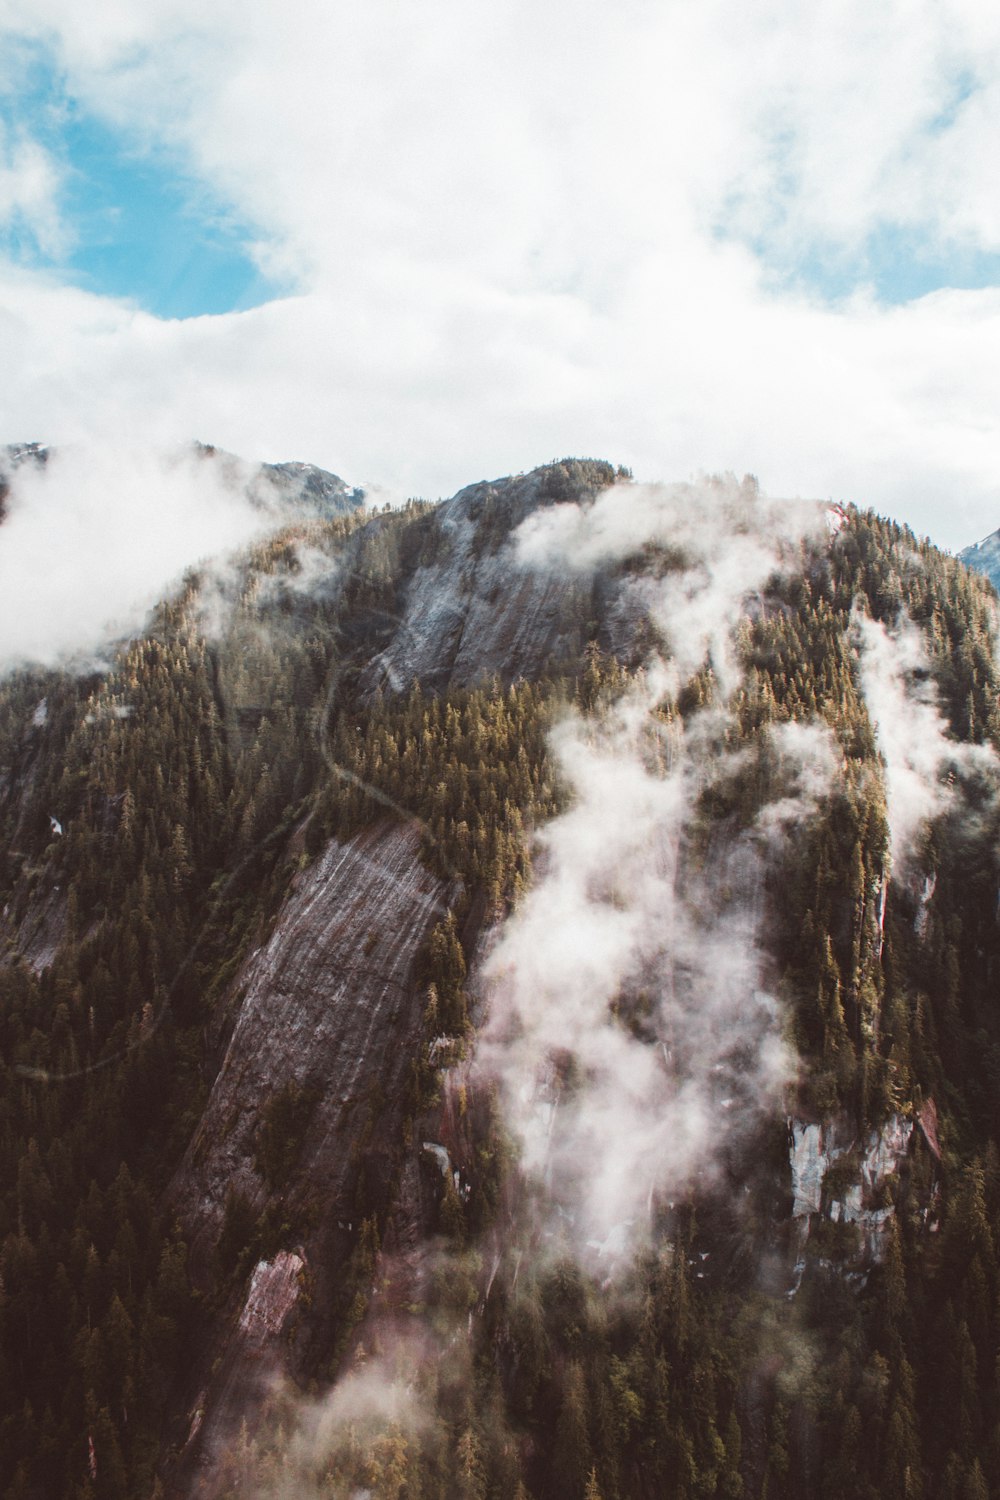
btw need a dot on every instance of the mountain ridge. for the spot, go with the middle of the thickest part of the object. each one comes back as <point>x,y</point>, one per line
<point>447,887</point>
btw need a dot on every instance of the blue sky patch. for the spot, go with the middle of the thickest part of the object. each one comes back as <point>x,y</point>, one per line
<point>139,227</point>
<point>898,265</point>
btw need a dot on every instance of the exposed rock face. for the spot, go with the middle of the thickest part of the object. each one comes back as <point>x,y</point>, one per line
<point>40,934</point>
<point>274,1291</point>
<point>329,1004</point>
<point>927,1119</point>
<point>12,455</point>
<point>815,1148</point>
<point>470,610</point>
<point>243,1378</point>
<point>32,930</point>
<point>35,929</point>
<point>808,1162</point>
<point>923,906</point>
<point>884,1151</point>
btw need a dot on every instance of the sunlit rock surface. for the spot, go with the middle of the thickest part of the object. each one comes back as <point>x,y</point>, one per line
<point>38,936</point>
<point>471,610</point>
<point>327,1003</point>
<point>984,556</point>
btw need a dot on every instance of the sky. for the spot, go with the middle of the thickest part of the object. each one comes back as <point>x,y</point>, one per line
<point>424,245</point>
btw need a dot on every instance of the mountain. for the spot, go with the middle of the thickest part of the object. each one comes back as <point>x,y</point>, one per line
<point>287,487</point>
<point>296,485</point>
<point>498,998</point>
<point>984,556</point>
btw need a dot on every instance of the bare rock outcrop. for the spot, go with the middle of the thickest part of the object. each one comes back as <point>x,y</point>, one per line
<point>470,609</point>
<point>329,1008</point>
<point>866,1166</point>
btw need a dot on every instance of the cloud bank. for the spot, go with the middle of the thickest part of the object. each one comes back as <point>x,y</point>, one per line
<point>97,536</point>
<point>656,233</point>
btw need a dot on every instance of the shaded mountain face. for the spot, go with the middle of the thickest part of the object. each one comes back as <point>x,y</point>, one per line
<point>498,998</point>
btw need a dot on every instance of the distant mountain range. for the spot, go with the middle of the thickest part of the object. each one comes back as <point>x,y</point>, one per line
<point>984,556</point>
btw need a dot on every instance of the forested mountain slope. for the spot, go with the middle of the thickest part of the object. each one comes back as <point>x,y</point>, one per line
<point>500,999</point>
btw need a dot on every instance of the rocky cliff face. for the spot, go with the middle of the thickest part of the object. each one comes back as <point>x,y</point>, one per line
<point>316,490</point>
<point>328,1011</point>
<point>471,610</point>
<point>41,931</point>
<point>847,1178</point>
<point>31,928</point>
<point>815,1149</point>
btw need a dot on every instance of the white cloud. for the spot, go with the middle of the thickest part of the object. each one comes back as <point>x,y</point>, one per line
<point>509,234</point>
<point>921,759</point>
<point>29,192</point>
<point>629,1025</point>
<point>93,540</point>
<point>807,756</point>
<point>616,911</point>
<point>729,535</point>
